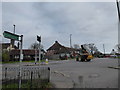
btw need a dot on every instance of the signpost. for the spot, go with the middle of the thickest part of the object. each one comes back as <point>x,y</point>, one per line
<point>35,55</point>
<point>11,35</point>
<point>21,58</point>
<point>16,37</point>
<point>39,40</point>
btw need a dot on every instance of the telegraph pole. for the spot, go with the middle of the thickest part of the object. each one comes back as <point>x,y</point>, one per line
<point>70,41</point>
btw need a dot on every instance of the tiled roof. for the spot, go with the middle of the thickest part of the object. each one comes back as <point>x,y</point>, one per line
<point>58,48</point>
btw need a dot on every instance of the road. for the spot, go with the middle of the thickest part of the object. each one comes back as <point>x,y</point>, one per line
<point>73,74</point>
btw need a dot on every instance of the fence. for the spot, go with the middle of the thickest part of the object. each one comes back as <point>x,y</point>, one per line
<point>31,77</point>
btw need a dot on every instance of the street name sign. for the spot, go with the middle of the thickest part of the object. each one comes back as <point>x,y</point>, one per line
<point>11,35</point>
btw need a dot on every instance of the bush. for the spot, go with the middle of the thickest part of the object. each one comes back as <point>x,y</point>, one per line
<point>5,56</point>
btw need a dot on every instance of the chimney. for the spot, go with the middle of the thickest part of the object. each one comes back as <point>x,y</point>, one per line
<point>56,41</point>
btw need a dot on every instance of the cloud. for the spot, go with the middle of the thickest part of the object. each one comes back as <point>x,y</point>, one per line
<point>88,22</point>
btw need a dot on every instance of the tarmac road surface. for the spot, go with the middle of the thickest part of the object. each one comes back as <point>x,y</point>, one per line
<point>72,74</point>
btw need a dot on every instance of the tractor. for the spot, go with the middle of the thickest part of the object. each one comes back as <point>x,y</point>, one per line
<point>85,53</point>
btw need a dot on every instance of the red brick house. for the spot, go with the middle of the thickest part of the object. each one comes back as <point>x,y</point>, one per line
<point>28,54</point>
<point>5,46</point>
<point>57,50</point>
<point>14,53</point>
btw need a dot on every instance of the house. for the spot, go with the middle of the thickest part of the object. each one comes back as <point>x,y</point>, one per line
<point>13,53</point>
<point>7,46</point>
<point>5,49</point>
<point>57,51</point>
<point>28,54</point>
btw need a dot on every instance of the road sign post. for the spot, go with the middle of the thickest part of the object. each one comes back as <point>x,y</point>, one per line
<point>16,37</point>
<point>21,58</point>
<point>39,40</point>
<point>35,55</point>
<point>39,52</point>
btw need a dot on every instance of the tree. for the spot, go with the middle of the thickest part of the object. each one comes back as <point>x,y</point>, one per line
<point>91,48</point>
<point>5,56</point>
<point>35,46</point>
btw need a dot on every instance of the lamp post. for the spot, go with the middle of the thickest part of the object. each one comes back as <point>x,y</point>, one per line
<point>118,9</point>
<point>118,38</point>
<point>12,40</point>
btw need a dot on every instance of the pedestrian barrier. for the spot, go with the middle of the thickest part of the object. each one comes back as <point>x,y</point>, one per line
<point>30,77</point>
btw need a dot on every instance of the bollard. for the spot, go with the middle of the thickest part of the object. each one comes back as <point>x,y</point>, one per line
<point>5,77</point>
<point>46,61</point>
<point>31,80</point>
<point>48,74</point>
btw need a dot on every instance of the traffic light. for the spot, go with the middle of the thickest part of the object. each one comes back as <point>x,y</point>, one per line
<point>39,38</point>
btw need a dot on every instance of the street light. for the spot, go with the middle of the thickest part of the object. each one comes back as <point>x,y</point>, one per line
<point>118,9</point>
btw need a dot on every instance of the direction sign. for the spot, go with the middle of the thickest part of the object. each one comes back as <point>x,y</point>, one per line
<point>11,35</point>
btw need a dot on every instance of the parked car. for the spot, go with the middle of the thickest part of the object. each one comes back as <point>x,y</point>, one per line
<point>113,56</point>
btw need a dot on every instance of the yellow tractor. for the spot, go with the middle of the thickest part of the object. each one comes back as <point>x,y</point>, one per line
<point>85,54</point>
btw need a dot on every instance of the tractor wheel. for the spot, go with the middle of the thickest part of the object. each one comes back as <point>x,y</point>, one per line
<point>88,60</point>
<point>82,58</point>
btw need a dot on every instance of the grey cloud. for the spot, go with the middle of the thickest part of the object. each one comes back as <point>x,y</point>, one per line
<point>87,22</point>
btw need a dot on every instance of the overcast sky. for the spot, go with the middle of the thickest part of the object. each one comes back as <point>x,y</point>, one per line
<point>88,22</point>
